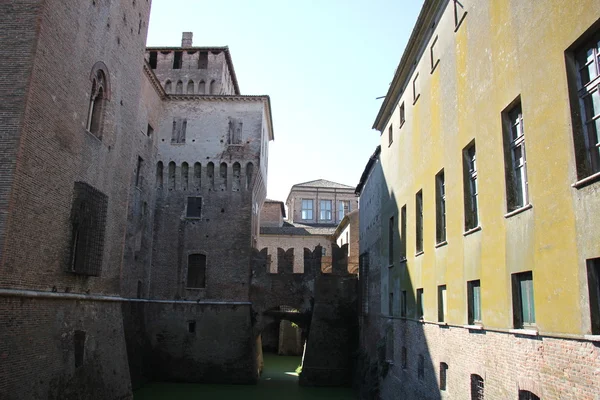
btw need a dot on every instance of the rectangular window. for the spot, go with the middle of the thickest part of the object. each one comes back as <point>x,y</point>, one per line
<point>419,220</point>
<point>435,60</point>
<point>307,209</point>
<point>420,298</point>
<point>442,305</point>
<point>416,88</point>
<point>153,59</point>
<point>474,302</point>
<point>390,135</point>
<point>194,207</point>
<point>585,87</point>
<point>476,387</point>
<point>391,224</point>
<point>470,187</point>
<point>138,171</point>
<point>203,60</point>
<point>593,270</point>
<point>440,201</point>
<point>343,209</point>
<point>192,326</point>
<point>177,60</point>
<point>88,221</point>
<point>443,374</point>
<point>459,13</point>
<point>403,301</point>
<point>391,304</point>
<point>403,233</point>
<point>325,210</point>
<point>196,274</point>
<point>402,114</point>
<point>523,306</point>
<point>514,157</point>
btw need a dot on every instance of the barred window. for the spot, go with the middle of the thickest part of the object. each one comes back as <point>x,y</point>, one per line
<point>88,222</point>
<point>476,387</point>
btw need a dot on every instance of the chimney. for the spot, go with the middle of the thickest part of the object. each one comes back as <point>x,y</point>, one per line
<point>186,39</point>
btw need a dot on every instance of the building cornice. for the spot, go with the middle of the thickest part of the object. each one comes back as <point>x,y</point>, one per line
<point>409,60</point>
<point>154,81</point>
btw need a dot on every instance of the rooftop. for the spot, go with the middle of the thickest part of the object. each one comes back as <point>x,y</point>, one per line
<point>296,229</point>
<point>323,183</point>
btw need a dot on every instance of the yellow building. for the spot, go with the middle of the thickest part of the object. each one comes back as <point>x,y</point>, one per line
<point>490,207</point>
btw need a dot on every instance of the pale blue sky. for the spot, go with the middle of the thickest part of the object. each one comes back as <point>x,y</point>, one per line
<point>323,63</point>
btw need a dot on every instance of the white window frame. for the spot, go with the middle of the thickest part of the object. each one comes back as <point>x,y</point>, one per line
<point>325,210</point>
<point>306,211</point>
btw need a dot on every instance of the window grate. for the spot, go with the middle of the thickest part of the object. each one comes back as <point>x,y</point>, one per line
<point>476,387</point>
<point>88,222</point>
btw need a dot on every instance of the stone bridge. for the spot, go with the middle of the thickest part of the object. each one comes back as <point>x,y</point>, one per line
<point>323,305</point>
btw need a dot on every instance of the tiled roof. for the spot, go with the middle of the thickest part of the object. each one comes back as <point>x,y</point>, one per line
<point>324,184</point>
<point>296,229</point>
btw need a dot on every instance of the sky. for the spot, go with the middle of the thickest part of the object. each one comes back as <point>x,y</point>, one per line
<point>322,62</point>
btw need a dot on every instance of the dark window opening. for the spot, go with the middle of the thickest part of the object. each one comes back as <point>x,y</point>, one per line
<point>523,300</point>
<point>203,60</point>
<point>192,326</point>
<point>153,59</point>
<point>443,373</point>
<point>420,299</point>
<point>138,172</point>
<point>419,220</point>
<point>97,104</point>
<point>79,344</point>
<point>149,131</point>
<point>515,161</point>
<point>403,233</point>
<point>185,176</point>
<point>474,302</point>
<point>177,60</point>
<point>593,270</point>
<point>527,395</point>
<point>171,177</point>
<point>470,187</point>
<point>404,357</point>
<point>88,221</point>
<point>194,207</point>
<point>476,387</point>
<point>196,276</point>
<point>390,135</point>
<point>403,301</point>
<point>402,114</point>
<point>440,201</point>
<point>159,174</point>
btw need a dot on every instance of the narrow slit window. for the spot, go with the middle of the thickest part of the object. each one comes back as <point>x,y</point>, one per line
<point>419,220</point>
<point>474,302</point>
<point>440,201</point>
<point>523,300</point>
<point>153,59</point>
<point>177,60</point>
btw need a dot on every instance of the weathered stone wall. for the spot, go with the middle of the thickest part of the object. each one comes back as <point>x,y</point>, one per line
<point>38,350</point>
<point>219,350</point>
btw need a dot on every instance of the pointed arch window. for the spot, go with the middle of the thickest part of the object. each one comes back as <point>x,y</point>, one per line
<point>99,96</point>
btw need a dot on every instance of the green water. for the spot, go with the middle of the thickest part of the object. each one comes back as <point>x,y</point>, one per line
<point>278,381</point>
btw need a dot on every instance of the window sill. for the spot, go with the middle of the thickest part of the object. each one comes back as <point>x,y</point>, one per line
<point>235,145</point>
<point>472,230</point>
<point>440,244</point>
<point>586,181</point>
<point>418,253</point>
<point>177,144</point>
<point>518,210</point>
<point>473,327</point>
<point>526,332</point>
<point>592,338</point>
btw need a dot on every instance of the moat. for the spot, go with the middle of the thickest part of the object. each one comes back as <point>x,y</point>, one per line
<point>279,379</point>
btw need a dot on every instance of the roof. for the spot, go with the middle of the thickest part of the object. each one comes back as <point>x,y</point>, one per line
<point>296,229</point>
<point>224,49</point>
<point>414,48</point>
<point>322,183</point>
<point>280,203</point>
<point>367,171</point>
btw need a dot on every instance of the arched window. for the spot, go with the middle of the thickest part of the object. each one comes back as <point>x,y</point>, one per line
<point>210,173</point>
<point>172,175</point>
<point>168,87</point>
<point>197,176</point>
<point>190,87</point>
<point>98,98</point>
<point>212,88</point>
<point>179,88</point>
<point>236,177</point>
<point>184,176</point>
<point>249,174</point>
<point>476,387</point>
<point>527,395</point>
<point>223,174</point>
<point>202,87</point>
<point>159,174</point>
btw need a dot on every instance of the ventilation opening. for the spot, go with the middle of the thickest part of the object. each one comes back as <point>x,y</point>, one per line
<point>177,60</point>
<point>192,326</point>
<point>153,59</point>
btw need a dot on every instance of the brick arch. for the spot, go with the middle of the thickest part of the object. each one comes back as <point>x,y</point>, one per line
<point>96,68</point>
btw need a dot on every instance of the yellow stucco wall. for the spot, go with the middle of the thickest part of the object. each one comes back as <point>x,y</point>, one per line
<point>502,50</point>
